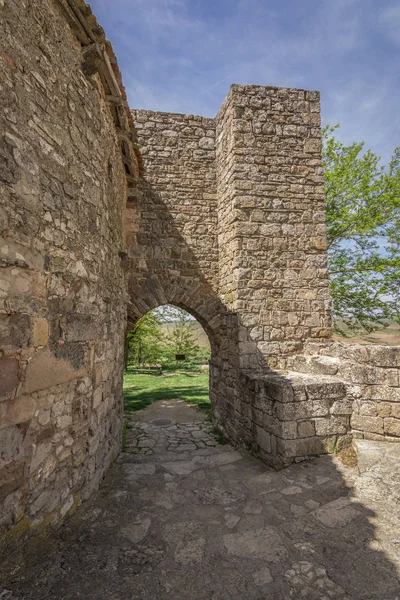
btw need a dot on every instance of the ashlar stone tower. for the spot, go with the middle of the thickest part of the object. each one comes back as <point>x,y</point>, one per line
<point>107,213</point>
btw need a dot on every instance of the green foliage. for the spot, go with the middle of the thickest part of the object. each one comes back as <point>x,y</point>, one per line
<point>146,340</point>
<point>363,220</point>
<point>148,344</point>
<point>219,436</point>
<point>181,338</point>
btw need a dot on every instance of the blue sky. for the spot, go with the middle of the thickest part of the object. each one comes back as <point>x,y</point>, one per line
<point>182,56</point>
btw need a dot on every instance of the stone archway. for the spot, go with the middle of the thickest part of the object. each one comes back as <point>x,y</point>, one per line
<point>204,313</point>
<point>211,228</point>
<point>197,298</point>
<point>224,217</point>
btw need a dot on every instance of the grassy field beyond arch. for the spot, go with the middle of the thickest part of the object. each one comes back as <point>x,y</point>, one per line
<point>142,390</point>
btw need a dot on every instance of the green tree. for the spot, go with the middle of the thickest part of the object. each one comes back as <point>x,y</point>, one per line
<point>363,221</point>
<point>181,339</point>
<point>145,342</point>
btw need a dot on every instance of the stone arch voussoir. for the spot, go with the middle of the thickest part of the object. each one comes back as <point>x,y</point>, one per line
<point>196,297</point>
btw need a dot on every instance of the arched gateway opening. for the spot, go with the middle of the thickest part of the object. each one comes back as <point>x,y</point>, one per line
<point>197,299</point>
<point>167,408</point>
<point>167,357</point>
<point>213,226</point>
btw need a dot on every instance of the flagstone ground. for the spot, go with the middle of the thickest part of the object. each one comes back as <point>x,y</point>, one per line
<point>180,516</point>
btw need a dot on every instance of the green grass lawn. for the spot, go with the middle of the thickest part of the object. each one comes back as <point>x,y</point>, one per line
<point>142,390</point>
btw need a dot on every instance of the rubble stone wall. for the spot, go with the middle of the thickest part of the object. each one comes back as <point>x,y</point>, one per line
<point>372,378</point>
<point>289,416</point>
<point>228,222</point>
<point>62,288</point>
<point>171,216</point>
<point>172,237</point>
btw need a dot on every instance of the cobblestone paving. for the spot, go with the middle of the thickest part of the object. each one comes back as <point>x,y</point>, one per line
<point>148,439</point>
<point>182,517</point>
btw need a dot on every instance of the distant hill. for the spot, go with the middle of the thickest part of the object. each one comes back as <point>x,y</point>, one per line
<point>387,336</point>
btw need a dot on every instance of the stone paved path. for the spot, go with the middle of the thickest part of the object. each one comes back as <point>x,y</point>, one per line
<point>182,517</point>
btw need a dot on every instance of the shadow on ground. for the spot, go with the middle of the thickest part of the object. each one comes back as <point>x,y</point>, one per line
<point>142,390</point>
<point>183,518</point>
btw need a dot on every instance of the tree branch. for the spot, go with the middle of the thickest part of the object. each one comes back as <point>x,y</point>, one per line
<point>358,270</point>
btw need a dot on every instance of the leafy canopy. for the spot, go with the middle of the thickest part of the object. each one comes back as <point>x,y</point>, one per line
<point>181,338</point>
<point>363,227</point>
<point>146,340</point>
<point>162,334</point>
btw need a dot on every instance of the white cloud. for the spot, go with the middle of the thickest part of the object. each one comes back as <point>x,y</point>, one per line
<point>175,55</point>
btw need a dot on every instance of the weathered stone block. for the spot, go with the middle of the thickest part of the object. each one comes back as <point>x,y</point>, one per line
<point>384,356</point>
<point>46,433</point>
<point>40,333</point>
<point>278,389</point>
<point>343,406</point>
<point>80,328</point>
<point>325,365</point>
<point>64,421</point>
<point>287,429</point>
<point>18,410</point>
<point>332,424</point>
<point>395,410</point>
<point>381,392</point>
<point>263,439</point>
<point>48,500</point>
<point>306,446</point>
<point>14,330</point>
<point>46,371</point>
<point>326,389</point>
<point>364,374</point>
<point>272,425</point>
<point>295,411</point>
<point>40,455</point>
<point>97,397</point>
<point>11,444</point>
<point>11,479</point>
<point>8,375</point>
<point>384,409</point>
<point>392,427</point>
<point>368,424</point>
<point>367,409</point>
<point>306,429</point>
